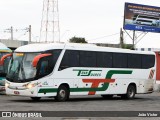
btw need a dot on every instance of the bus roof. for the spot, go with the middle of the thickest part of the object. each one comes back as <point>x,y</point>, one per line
<point>4,48</point>
<point>40,47</point>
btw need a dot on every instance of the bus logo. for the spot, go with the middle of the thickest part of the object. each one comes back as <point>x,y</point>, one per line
<point>88,72</point>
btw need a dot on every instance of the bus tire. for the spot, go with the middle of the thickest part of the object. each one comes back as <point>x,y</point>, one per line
<point>35,98</point>
<point>107,96</point>
<point>62,94</point>
<point>131,91</point>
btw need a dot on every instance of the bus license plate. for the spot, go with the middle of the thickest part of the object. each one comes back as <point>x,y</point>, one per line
<point>16,92</point>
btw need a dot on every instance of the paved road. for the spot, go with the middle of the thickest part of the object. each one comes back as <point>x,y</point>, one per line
<point>143,102</point>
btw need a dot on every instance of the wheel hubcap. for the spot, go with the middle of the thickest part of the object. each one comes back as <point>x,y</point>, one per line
<point>62,93</point>
<point>131,92</point>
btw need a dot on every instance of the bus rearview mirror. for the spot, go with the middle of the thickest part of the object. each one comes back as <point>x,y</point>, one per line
<point>4,57</point>
<point>38,57</point>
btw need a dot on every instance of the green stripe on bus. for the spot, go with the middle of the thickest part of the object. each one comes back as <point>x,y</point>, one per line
<point>52,90</point>
<point>47,90</point>
<point>112,72</point>
<point>105,86</point>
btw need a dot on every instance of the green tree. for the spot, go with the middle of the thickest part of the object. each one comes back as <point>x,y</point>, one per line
<point>127,46</point>
<point>77,40</point>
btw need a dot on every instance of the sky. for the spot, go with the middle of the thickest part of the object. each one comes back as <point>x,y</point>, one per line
<point>98,21</point>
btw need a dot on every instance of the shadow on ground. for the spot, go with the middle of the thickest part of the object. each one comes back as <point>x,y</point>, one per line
<point>84,99</point>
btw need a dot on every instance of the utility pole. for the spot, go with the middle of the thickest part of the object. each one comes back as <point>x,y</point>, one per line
<point>121,38</point>
<point>133,45</point>
<point>10,30</point>
<point>29,30</point>
<point>11,33</point>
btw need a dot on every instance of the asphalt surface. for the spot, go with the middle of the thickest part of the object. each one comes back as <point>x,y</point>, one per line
<point>142,102</point>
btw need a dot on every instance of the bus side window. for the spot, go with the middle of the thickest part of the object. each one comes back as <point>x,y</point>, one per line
<point>43,68</point>
<point>148,61</point>
<point>87,59</point>
<point>70,59</point>
<point>119,60</point>
<point>134,61</point>
<point>104,59</point>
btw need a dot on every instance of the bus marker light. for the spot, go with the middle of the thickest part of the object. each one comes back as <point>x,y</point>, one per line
<point>19,54</point>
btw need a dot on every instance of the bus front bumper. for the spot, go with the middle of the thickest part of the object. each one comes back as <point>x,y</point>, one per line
<point>32,92</point>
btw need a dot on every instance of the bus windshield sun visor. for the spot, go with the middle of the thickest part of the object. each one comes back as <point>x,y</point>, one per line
<point>38,57</point>
<point>4,57</point>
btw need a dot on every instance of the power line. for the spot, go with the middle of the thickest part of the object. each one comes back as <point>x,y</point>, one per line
<point>22,35</point>
<point>104,36</point>
<point>36,38</point>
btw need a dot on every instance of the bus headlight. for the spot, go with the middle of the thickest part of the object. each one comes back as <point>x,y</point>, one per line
<point>30,86</point>
<point>6,85</point>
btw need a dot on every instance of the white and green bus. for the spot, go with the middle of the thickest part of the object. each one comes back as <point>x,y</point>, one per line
<point>62,70</point>
<point>4,53</point>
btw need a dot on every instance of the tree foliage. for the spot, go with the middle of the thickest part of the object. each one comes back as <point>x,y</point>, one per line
<point>77,40</point>
<point>127,46</point>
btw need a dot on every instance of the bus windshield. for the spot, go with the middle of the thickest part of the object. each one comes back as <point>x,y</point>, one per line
<point>25,67</point>
<point>20,67</point>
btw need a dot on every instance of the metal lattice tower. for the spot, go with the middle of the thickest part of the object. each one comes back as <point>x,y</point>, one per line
<point>50,31</point>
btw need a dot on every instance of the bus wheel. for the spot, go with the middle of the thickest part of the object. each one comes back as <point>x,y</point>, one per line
<point>131,91</point>
<point>36,98</point>
<point>62,94</point>
<point>107,96</point>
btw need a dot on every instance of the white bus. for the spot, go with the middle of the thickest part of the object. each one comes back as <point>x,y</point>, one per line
<point>4,54</point>
<point>61,70</point>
